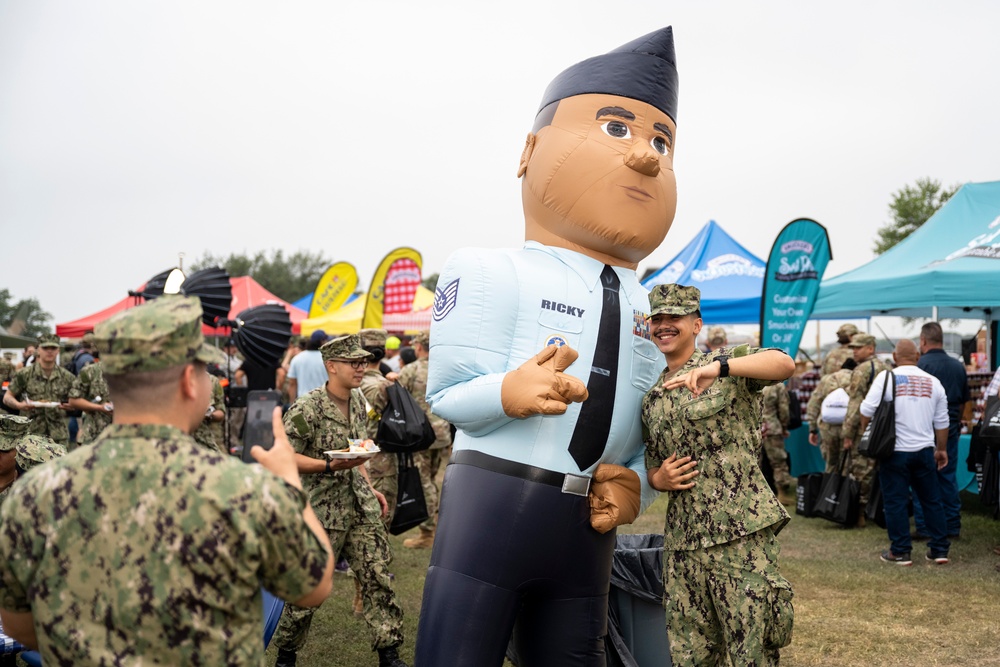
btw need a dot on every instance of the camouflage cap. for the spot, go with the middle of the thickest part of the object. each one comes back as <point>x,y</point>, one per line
<point>12,428</point>
<point>674,299</point>
<point>33,450</point>
<point>717,336</point>
<point>422,337</point>
<point>48,340</point>
<point>88,339</point>
<point>373,337</point>
<point>156,335</point>
<point>344,347</point>
<point>861,340</point>
<point>847,330</point>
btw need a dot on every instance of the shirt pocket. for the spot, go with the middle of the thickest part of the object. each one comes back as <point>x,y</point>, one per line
<point>705,406</point>
<point>558,328</point>
<point>646,363</point>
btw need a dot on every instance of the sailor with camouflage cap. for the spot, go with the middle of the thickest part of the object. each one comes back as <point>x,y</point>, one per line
<point>202,532</point>
<point>347,504</point>
<point>43,382</point>
<point>705,411</point>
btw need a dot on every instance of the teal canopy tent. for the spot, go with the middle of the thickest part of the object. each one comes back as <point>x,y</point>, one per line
<point>952,262</point>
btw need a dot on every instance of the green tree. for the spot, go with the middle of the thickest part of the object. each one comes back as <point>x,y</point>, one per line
<point>911,207</point>
<point>24,317</point>
<point>289,278</point>
<point>430,282</point>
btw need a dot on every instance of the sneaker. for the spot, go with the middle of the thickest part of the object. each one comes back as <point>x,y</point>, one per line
<point>342,567</point>
<point>898,559</point>
<point>937,560</point>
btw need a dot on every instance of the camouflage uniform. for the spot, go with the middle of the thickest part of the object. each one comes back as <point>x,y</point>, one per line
<point>346,506</point>
<point>90,386</point>
<point>413,378</point>
<point>210,433</point>
<point>835,359</point>
<point>830,435</point>
<point>143,547</point>
<point>862,467</point>
<point>12,429</point>
<point>382,468</point>
<point>31,383</point>
<point>775,415</point>
<point>722,589</point>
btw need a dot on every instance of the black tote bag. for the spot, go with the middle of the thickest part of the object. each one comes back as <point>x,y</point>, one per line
<point>404,426</point>
<point>411,507</point>
<point>839,495</point>
<point>879,439</point>
<point>807,493</point>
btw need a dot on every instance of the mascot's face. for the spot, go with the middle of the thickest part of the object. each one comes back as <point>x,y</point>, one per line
<point>599,178</point>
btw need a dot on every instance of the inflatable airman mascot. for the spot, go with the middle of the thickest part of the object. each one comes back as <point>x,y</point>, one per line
<point>540,357</point>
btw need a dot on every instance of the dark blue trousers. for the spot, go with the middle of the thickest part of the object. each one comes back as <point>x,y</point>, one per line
<point>513,557</point>
<point>918,471</point>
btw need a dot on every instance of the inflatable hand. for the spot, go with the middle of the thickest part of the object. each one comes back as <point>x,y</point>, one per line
<point>614,497</point>
<point>539,386</point>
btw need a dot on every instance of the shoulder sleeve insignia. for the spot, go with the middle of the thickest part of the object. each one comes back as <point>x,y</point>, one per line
<point>445,300</point>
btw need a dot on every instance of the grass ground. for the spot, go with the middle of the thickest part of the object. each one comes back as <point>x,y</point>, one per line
<point>850,608</point>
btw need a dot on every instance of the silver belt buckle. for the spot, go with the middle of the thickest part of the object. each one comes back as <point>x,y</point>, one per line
<point>578,485</point>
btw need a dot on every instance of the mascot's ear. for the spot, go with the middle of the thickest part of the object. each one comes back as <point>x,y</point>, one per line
<point>529,146</point>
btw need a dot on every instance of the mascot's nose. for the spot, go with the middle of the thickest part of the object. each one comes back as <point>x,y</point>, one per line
<point>642,159</point>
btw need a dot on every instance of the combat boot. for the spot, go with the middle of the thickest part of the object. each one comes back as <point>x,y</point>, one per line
<point>425,541</point>
<point>785,497</point>
<point>388,657</point>
<point>286,658</point>
<point>861,517</point>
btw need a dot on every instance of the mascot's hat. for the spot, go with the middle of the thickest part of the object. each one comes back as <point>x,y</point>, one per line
<point>644,70</point>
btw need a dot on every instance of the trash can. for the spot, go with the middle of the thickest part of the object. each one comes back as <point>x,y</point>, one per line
<point>637,624</point>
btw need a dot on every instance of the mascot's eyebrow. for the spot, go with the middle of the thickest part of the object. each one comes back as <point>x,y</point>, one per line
<point>616,111</point>
<point>665,130</point>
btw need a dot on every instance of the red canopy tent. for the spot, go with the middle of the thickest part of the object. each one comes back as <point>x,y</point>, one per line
<point>247,293</point>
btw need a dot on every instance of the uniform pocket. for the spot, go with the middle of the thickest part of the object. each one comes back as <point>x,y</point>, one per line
<point>779,630</point>
<point>647,362</point>
<point>706,405</point>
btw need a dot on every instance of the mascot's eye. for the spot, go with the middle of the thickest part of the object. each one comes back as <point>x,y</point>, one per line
<point>616,129</point>
<point>659,145</point>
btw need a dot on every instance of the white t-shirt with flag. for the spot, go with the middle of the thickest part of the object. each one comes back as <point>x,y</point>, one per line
<point>921,406</point>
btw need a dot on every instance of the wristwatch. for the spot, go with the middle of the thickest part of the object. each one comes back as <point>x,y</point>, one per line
<point>328,466</point>
<point>723,360</point>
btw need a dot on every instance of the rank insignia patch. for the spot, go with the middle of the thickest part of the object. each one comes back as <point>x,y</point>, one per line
<point>445,300</point>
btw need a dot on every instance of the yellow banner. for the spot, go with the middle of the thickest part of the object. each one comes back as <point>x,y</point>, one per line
<point>376,292</point>
<point>335,287</point>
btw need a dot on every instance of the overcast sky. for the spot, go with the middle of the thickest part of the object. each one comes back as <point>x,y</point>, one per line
<point>131,132</point>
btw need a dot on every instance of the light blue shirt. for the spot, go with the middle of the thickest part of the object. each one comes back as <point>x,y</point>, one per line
<point>308,371</point>
<point>494,310</point>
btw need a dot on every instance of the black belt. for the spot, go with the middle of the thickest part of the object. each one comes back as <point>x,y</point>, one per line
<point>577,485</point>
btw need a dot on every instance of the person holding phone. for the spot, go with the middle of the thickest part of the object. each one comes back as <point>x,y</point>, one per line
<point>347,504</point>
<point>145,546</point>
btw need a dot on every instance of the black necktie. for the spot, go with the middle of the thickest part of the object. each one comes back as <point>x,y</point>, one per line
<point>594,424</point>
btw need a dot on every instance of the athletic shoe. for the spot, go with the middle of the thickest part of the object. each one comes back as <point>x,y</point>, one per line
<point>937,560</point>
<point>898,559</point>
<point>342,567</point>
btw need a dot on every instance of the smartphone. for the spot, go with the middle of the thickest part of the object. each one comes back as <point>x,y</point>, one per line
<point>258,428</point>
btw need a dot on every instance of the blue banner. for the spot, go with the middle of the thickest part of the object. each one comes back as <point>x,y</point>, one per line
<point>794,270</point>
